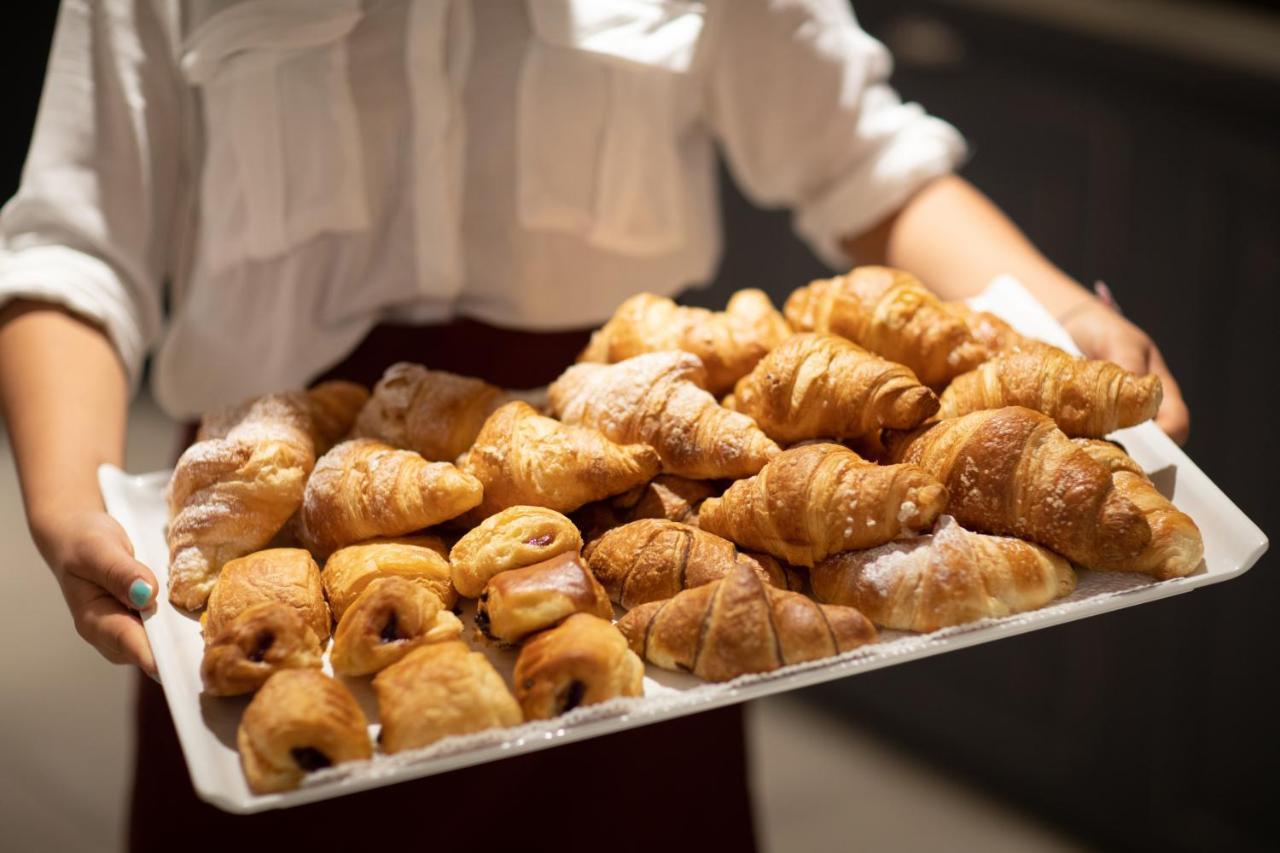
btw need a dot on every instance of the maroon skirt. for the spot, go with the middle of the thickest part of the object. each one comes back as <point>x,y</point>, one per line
<point>672,785</point>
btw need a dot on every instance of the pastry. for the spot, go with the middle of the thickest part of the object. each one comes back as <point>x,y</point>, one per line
<point>420,559</point>
<point>728,342</point>
<point>431,412</point>
<point>815,500</point>
<point>253,645</point>
<point>299,722</point>
<point>286,576</point>
<point>993,333</point>
<point>523,458</point>
<point>584,660</point>
<point>516,537</point>
<point>438,690</point>
<point>823,386</point>
<point>1012,472</point>
<point>949,577</point>
<point>521,602</point>
<point>363,489</point>
<point>657,399</point>
<point>739,625</point>
<point>389,619</point>
<point>334,406</point>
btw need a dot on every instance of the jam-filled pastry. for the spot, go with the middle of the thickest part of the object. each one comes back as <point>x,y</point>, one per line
<point>391,618</point>
<point>439,690</point>
<point>420,559</point>
<point>582,661</point>
<point>288,576</point>
<point>516,537</point>
<point>524,601</point>
<point>255,644</point>
<point>299,722</point>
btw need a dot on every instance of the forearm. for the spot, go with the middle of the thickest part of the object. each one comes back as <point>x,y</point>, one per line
<point>956,240</point>
<point>64,396</point>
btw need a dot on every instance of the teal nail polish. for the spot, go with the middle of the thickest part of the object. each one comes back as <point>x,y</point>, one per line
<point>139,593</point>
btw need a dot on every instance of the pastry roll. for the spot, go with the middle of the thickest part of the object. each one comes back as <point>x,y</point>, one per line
<point>389,619</point>
<point>416,558</point>
<point>947,578</point>
<point>334,406</point>
<point>256,643</point>
<point>582,661</point>
<point>286,576</point>
<point>739,625</point>
<point>517,536</point>
<point>521,602</point>
<point>439,690</point>
<point>299,722</point>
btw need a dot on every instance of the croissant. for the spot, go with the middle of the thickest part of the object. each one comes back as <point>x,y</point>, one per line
<point>1084,397</point>
<point>1012,472</point>
<point>420,559</point>
<point>657,399</point>
<point>823,386</point>
<point>438,690</point>
<point>889,312</point>
<point>253,645</point>
<point>993,333</point>
<point>1176,546</point>
<point>334,406</point>
<point>739,625</point>
<point>433,412</point>
<point>817,499</point>
<point>391,618</point>
<point>728,343</point>
<point>286,576</point>
<point>582,661</point>
<point>516,537</point>
<point>653,559</point>
<point>299,722</point>
<point>230,495</point>
<point>521,602</point>
<point>947,578</point>
<point>363,488</point>
<point>670,497</point>
<point>523,458</point>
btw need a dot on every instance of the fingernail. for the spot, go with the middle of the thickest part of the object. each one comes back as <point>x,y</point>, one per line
<point>139,593</point>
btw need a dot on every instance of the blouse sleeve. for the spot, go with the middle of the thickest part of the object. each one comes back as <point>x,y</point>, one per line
<point>91,224</point>
<point>800,104</point>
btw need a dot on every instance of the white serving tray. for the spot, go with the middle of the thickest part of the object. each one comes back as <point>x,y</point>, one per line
<point>206,726</point>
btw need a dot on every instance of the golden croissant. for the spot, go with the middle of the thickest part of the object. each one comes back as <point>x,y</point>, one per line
<point>1084,397</point>
<point>363,488</point>
<point>653,559</point>
<point>992,332</point>
<point>815,500</point>
<point>334,406</point>
<point>889,312</point>
<point>728,342</point>
<point>582,661</point>
<point>739,625</point>
<point>949,577</point>
<point>1012,472</point>
<point>523,458</point>
<point>231,494</point>
<point>390,618</point>
<point>824,386</point>
<point>1176,546</point>
<point>657,399</point>
<point>433,412</point>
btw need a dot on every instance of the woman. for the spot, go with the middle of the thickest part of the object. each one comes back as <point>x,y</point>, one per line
<point>258,193</point>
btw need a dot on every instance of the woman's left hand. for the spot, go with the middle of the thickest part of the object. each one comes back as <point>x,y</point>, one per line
<point>1102,333</point>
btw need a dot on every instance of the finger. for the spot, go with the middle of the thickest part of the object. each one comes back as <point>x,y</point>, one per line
<point>108,562</point>
<point>1173,417</point>
<point>116,633</point>
<point>1133,356</point>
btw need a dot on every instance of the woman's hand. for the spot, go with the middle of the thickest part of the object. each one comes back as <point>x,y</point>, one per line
<point>103,584</point>
<point>1102,333</point>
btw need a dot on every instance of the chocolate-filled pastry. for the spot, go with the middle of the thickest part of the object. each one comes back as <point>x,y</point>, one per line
<point>653,559</point>
<point>582,661</point>
<point>738,625</point>
<point>255,644</point>
<point>439,690</point>
<point>299,722</point>
<point>516,537</point>
<point>287,576</point>
<point>520,602</point>
<point>391,618</point>
<point>420,559</point>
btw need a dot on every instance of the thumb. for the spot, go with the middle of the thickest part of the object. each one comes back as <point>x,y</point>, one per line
<point>110,564</point>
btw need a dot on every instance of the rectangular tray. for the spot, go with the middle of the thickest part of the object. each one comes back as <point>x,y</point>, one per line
<point>206,726</point>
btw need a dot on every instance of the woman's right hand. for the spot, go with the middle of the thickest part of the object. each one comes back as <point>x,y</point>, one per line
<point>104,586</point>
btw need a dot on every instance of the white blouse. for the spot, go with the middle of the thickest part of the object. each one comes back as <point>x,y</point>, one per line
<point>245,188</point>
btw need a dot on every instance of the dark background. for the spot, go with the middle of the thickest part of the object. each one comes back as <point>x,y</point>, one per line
<point>1154,727</point>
